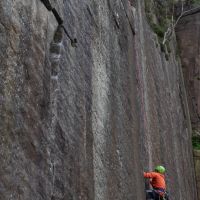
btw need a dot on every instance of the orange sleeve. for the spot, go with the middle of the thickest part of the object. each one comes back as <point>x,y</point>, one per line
<point>149,174</point>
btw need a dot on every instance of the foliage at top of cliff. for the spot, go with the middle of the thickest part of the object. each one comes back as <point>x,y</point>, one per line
<point>162,16</point>
<point>193,2</point>
<point>161,13</point>
<point>196,142</point>
<point>196,139</point>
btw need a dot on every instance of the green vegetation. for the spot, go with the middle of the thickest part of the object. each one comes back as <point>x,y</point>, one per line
<point>195,2</point>
<point>159,30</point>
<point>196,142</point>
<point>159,17</point>
<point>196,139</point>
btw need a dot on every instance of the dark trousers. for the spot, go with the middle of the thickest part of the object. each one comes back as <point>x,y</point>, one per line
<point>152,195</point>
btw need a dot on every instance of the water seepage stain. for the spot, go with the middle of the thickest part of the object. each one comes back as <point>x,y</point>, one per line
<point>55,51</point>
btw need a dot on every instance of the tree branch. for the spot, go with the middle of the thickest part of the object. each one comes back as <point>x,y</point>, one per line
<point>172,25</point>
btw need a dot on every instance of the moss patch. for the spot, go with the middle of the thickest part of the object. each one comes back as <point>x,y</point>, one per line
<point>195,2</point>
<point>196,142</point>
<point>160,14</point>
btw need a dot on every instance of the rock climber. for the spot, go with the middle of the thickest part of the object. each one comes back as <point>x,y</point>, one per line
<point>158,183</point>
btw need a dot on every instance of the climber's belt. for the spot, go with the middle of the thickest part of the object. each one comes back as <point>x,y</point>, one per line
<point>159,191</point>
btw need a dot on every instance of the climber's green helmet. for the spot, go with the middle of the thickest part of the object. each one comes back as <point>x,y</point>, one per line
<point>160,169</point>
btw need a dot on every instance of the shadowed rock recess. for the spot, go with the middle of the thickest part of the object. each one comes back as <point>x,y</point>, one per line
<point>188,37</point>
<point>188,32</point>
<point>83,123</point>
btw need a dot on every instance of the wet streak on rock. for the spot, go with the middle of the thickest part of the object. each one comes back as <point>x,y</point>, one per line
<point>56,135</point>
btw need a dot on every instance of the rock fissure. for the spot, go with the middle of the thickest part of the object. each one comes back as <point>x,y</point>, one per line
<point>60,21</point>
<point>129,20</point>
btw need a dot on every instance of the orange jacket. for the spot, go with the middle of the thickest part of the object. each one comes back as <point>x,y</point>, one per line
<point>158,180</point>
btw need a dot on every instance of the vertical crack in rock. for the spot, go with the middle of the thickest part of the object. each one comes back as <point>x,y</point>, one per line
<point>55,54</point>
<point>128,18</point>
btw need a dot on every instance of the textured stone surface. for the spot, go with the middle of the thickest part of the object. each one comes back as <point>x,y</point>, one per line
<point>165,126</point>
<point>83,123</point>
<point>188,32</point>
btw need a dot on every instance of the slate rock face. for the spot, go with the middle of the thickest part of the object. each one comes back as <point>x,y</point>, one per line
<point>165,126</point>
<point>84,123</point>
<point>188,40</point>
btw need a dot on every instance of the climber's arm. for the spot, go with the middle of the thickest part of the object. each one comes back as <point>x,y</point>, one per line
<point>149,174</point>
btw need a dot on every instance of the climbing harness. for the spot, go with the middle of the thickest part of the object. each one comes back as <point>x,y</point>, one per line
<point>159,191</point>
<point>151,195</point>
<point>48,6</point>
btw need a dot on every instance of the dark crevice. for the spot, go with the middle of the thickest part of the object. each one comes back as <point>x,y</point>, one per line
<point>60,21</point>
<point>131,26</point>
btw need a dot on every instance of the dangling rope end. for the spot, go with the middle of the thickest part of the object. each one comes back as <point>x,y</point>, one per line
<point>73,40</point>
